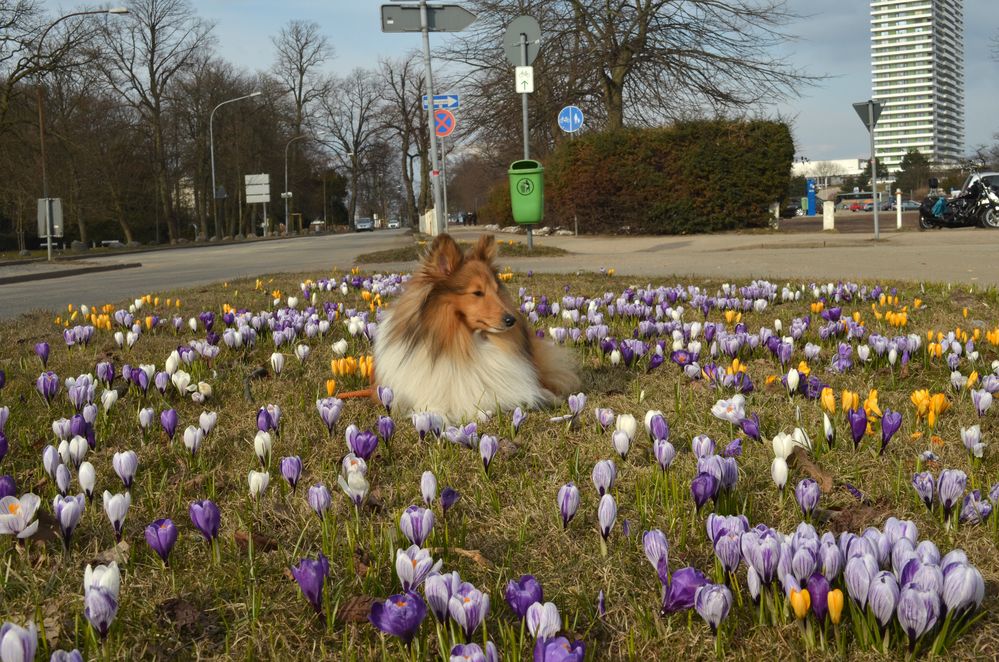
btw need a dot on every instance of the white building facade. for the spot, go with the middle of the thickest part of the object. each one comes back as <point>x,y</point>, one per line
<point>917,67</point>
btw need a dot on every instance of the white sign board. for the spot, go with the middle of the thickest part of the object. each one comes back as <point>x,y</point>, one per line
<point>43,231</point>
<point>258,188</point>
<point>525,80</point>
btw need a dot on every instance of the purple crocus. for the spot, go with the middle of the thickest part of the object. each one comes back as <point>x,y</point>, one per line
<point>918,611</point>
<point>439,589</point>
<point>488,445</point>
<point>882,597</point>
<point>105,372</point>
<point>683,586</point>
<point>807,493</point>
<point>713,602</point>
<point>568,502</point>
<point>950,489</point>
<point>656,549</point>
<point>416,524</point>
<point>449,496</point>
<point>468,607</point>
<point>67,511</point>
<point>522,593</point>
<point>168,420</point>
<point>385,396</point>
<point>4,446</point>
<point>751,426</point>
<point>161,536</point>
<point>818,591</point>
<point>924,484</point>
<point>559,649</point>
<point>319,499</point>
<point>363,444</point>
<point>386,428</point>
<point>291,469</point>
<point>205,516</point>
<point>329,411</point>
<point>890,423</point>
<point>517,419</point>
<point>47,385</point>
<point>42,352</point>
<point>858,424</point>
<point>703,488</point>
<point>8,488</point>
<point>664,452</point>
<point>311,575</point>
<point>100,609</point>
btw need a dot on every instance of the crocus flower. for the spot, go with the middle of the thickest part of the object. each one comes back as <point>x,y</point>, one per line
<point>517,419</point>
<point>439,589</point>
<point>449,496</point>
<point>918,611</point>
<point>207,421</point>
<point>116,507</point>
<point>386,428</point>
<point>363,444</point>
<point>488,445</point>
<point>100,609</point>
<point>47,385</point>
<point>522,593</point>
<point>468,607</point>
<point>924,484</point>
<point>683,587</point>
<point>604,417</point>
<point>963,588</point>
<point>950,489</point>
<point>559,649</point>
<point>193,436</point>
<point>576,402</point>
<point>161,536</point>
<point>543,620</point>
<point>277,362</point>
<point>320,499</point>
<point>42,352</point>
<point>474,653</point>
<point>413,565</point>
<point>890,423</point>
<point>206,517</point>
<point>311,576</point>
<point>807,493</point>
<point>603,475</point>
<point>568,502</point>
<point>62,479</point>
<point>606,514</point>
<point>399,616</point>
<point>713,602</point>
<point>416,524</point>
<point>858,424</point>
<point>971,437</point>
<point>703,488</point>
<point>262,445</point>
<point>107,577</point>
<point>428,487</point>
<point>258,481</point>
<point>778,471</point>
<point>8,488</point>
<point>385,396</point>
<point>145,417</point>
<point>16,515</point>
<point>329,411</point>
<point>882,597</point>
<point>732,410</point>
<point>982,400</point>
<point>818,592</point>
<point>168,421</point>
<point>656,549</point>
<point>751,426</point>
<point>702,446</point>
<point>125,464</point>
<point>87,478</point>
<point>67,511</point>
<point>664,452</point>
<point>291,470</point>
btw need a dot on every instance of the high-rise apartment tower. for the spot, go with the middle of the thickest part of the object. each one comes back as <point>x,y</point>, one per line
<point>917,67</point>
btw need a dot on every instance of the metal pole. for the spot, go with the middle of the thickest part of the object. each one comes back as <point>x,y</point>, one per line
<point>527,144</point>
<point>45,178</point>
<point>874,169</point>
<point>439,221</point>
<point>211,150</point>
<point>444,176</point>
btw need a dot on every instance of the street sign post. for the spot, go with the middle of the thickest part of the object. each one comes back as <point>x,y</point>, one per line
<point>258,190</point>
<point>447,101</point>
<point>570,119</point>
<point>49,218</point>
<point>426,19</point>
<point>869,112</point>
<point>521,42</point>
<point>444,122</point>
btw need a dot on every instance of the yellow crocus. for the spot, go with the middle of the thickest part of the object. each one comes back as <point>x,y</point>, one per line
<point>818,307</point>
<point>803,369</point>
<point>972,380</point>
<point>801,602</point>
<point>964,312</point>
<point>921,399</point>
<point>828,400</point>
<point>330,387</point>
<point>850,400</point>
<point>834,601</point>
<point>871,404</point>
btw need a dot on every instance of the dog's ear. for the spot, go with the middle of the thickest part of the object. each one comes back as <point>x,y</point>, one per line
<point>444,257</point>
<point>484,250</point>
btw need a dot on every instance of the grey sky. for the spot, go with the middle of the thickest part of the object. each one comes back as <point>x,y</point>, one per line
<point>834,40</point>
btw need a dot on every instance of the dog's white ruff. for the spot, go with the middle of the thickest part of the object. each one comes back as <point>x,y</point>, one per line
<point>458,390</point>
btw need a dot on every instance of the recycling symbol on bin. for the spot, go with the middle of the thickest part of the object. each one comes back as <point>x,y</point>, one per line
<point>525,186</point>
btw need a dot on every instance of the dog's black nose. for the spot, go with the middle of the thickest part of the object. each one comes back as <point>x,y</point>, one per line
<point>509,319</point>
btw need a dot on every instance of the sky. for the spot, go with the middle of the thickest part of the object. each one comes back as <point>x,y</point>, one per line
<point>833,40</point>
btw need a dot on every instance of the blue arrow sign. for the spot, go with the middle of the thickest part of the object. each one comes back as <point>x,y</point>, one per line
<point>446,101</point>
<point>570,119</point>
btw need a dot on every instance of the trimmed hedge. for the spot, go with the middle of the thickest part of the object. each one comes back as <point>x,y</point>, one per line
<point>697,176</point>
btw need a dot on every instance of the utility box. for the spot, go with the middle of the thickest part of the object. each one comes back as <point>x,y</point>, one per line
<point>527,191</point>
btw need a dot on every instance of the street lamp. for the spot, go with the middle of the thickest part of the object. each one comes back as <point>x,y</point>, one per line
<point>287,193</point>
<point>211,149</point>
<point>41,113</point>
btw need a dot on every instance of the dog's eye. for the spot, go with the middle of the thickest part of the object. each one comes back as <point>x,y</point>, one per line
<point>479,293</point>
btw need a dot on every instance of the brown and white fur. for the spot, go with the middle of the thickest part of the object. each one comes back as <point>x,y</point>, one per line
<point>455,342</point>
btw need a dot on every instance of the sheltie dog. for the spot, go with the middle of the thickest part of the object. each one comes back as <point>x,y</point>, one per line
<point>456,343</point>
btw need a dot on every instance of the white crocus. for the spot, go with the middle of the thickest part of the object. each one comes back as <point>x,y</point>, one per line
<point>262,445</point>
<point>16,515</point>
<point>107,577</point>
<point>783,444</point>
<point>340,347</point>
<point>543,620</point>
<point>108,398</point>
<point>258,481</point>
<point>172,362</point>
<point>181,380</point>
<point>87,478</point>
<point>277,362</point>
<point>116,507</point>
<point>778,471</point>
<point>626,423</point>
<point>193,436</point>
<point>792,380</point>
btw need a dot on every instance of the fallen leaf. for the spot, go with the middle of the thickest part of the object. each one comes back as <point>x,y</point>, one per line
<point>508,448</point>
<point>473,555</point>
<point>179,612</point>
<point>355,610</point>
<point>799,459</point>
<point>118,553</point>
<point>361,561</point>
<point>261,543</point>
<point>857,517</point>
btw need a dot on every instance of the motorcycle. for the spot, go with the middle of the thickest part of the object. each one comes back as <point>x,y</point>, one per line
<point>978,206</point>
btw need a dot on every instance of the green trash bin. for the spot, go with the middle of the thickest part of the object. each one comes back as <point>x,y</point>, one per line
<point>527,191</point>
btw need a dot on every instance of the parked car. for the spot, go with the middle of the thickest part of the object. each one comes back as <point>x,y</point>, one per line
<point>364,225</point>
<point>394,224</point>
<point>790,210</point>
<point>907,205</point>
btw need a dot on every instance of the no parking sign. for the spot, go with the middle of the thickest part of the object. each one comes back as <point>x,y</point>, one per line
<point>444,122</point>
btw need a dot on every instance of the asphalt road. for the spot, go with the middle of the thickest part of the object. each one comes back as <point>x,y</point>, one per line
<point>190,267</point>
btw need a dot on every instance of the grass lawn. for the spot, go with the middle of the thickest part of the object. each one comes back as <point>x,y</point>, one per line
<point>238,599</point>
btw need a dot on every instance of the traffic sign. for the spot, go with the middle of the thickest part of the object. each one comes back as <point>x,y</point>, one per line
<point>529,27</point>
<point>525,80</point>
<point>449,101</point>
<point>440,18</point>
<point>258,188</point>
<point>570,119</point>
<point>863,109</point>
<point>444,122</point>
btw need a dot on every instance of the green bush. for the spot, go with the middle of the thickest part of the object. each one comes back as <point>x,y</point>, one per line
<point>698,176</point>
<point>497,209</point>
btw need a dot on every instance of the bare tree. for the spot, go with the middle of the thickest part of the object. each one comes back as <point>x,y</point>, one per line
<point>350,110</point>
<point>403,118</point>
<point>643,61</point>
<point>143,57</point>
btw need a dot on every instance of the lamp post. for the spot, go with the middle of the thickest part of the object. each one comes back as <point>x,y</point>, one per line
<point>211,150</point>
<point>287,193</point>
<point>41,113</point>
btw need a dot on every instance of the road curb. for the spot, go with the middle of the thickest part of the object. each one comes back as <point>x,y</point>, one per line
<point>63,273</point>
